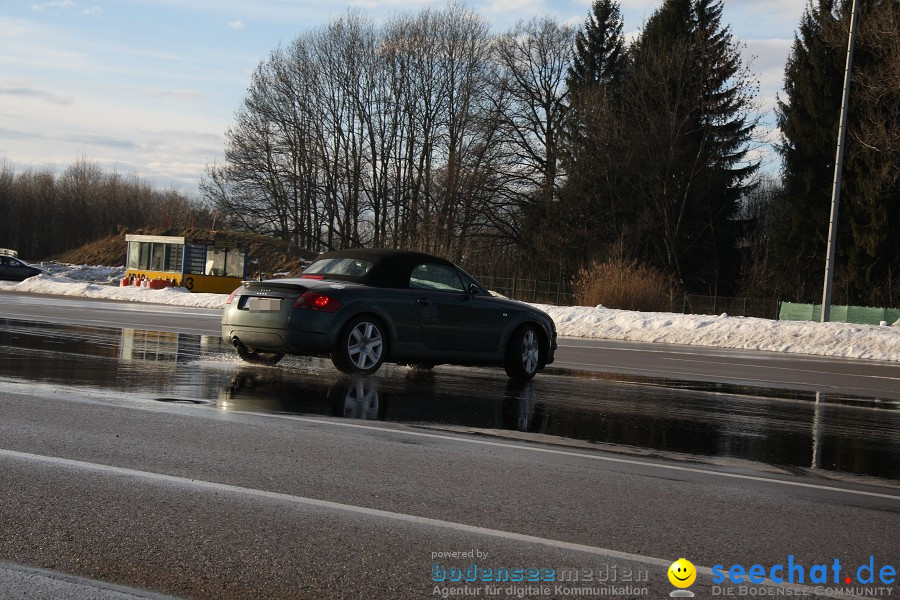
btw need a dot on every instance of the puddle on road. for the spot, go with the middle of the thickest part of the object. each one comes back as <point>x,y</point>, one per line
<point>786,429</point>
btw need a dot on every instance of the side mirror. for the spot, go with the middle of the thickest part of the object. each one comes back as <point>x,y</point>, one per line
<point>472,291</point>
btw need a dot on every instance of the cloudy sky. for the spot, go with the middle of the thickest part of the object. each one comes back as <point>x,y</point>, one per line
<point>148,87</point>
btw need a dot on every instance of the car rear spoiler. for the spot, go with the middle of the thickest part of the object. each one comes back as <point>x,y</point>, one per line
<point>280,285</point>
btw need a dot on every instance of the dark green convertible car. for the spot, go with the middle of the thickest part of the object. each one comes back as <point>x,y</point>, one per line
<point>367,307</point>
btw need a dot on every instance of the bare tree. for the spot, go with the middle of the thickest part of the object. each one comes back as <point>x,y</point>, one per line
<point>357,135</point>
<point>532,61</point>
<point>46,213</point>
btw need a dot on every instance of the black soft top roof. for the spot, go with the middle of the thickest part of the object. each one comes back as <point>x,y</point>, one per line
<point>391,268</point>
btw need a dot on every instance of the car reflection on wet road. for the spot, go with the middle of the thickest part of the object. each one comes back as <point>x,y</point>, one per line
<point>726,424</point>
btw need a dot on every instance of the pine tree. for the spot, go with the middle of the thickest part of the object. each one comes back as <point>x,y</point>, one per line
<point>599,48</point>
<point>807,116</point>
<point>871,182</point>
<point>591,209</point>
<point>868,238</point>
<point>688,106</point>
<point>673,22</point>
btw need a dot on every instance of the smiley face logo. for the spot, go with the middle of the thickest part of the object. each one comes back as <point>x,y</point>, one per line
<point>682,573</point>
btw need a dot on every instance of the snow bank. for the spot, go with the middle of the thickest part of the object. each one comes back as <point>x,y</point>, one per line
<point>83,272</point>
<point>65,286</point>
<point>828,339</point>
<point>803,337</point>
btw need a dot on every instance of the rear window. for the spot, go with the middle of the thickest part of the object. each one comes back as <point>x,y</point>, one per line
<point>348,267</point>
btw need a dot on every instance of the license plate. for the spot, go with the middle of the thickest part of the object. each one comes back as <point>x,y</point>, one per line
<point>257,304</point>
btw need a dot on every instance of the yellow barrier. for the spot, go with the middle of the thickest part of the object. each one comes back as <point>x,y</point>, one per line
<point>209,284</point>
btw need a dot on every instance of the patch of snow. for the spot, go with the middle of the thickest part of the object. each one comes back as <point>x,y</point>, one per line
<point>66,286</point>
<point>93,274</point>
<point>848,340</point>
<point>827,339</point>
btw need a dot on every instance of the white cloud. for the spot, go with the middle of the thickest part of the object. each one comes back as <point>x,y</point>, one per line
<point>519,8</point>
<point>15,134</point>
<point>24,90</point>
<point>768,60</point>
<point>92,11</point>
<point>235,24</point>
<point>175,94</point>
<point>638,4</point>
<point>764,149</point>
<point>53,4</point>
<point>93,139</point>
<point>179,95</point>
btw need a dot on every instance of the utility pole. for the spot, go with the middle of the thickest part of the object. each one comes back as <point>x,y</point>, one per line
<point>838,167</point>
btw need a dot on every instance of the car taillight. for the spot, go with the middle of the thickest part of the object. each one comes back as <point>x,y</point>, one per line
<point>317,301</point>
<point>312,277</point>
<point>231,296</point>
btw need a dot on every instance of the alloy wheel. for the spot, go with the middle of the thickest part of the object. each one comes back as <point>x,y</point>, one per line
<point>530,351</point>
<point>364,345</point>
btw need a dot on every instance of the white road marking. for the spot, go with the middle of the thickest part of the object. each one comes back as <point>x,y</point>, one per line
<point>75,586</point>
<point>210,486</point>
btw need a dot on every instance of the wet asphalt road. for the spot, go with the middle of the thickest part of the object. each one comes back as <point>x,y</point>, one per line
<point>158,461</point>
<point>686,363</point>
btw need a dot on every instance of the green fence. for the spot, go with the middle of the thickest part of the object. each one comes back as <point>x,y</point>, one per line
<point>788,311</point>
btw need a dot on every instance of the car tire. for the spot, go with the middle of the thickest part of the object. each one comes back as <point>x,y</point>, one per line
<point>361,347</point>
<point>255,357</point>
<point>523,353</point>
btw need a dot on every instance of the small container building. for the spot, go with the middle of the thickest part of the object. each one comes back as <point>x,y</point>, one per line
<point>194,264</point>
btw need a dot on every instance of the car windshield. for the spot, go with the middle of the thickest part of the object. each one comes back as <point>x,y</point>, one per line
<point>11,262</point>
<point>350,267</point>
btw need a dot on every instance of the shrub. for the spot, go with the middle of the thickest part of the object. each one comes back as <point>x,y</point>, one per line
<point>625,285</point>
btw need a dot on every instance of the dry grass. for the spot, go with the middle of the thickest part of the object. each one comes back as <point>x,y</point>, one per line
<point>624,285</point>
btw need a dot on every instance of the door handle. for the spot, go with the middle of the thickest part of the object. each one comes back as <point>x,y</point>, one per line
<point>422,301</point>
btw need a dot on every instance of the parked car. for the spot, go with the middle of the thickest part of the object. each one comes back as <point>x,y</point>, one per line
<point>13,269</point>
<point>367,307</point>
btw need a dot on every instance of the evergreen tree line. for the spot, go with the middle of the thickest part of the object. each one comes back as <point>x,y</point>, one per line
<point>795,223</point>
<point>45,213</point>
<point>660,134</point>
